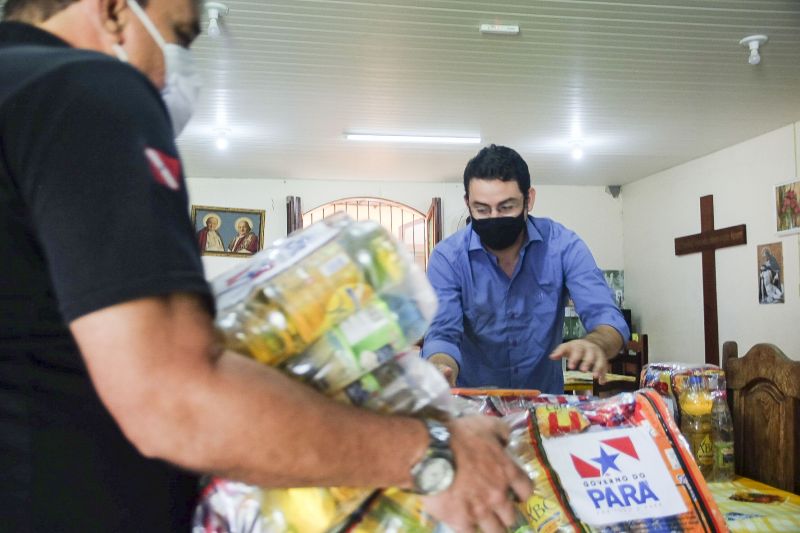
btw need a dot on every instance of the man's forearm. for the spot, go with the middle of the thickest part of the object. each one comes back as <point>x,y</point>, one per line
<point>251,423</point>
<point>177,396</point>
<point>607,338</point>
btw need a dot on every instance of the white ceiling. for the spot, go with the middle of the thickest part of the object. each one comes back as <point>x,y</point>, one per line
<point>648,85</point>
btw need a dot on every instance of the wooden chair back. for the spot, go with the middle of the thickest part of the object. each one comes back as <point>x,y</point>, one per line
<point>764,393</point>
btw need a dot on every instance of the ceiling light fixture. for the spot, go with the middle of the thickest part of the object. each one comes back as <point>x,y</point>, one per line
<point>412,139</point>
<point>216,10</point>
<point>754,42</point>
<point>500,29</point>
<point>577,152</point>
<point>222,141</point>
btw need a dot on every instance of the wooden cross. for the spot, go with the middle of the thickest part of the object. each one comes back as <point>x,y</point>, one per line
<point>707,241</point>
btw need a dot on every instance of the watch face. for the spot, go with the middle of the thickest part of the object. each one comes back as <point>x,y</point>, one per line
<point>436,475</point>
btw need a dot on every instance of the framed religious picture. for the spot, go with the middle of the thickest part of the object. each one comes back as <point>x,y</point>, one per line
<point>616,282</point>
<point>770,273</point>
<point>230,232</point>
<point>787,207</point>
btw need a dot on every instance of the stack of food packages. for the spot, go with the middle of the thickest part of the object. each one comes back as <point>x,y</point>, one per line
<point>671,379</point>
<point>697,396</point>
<point>608,465</point>
<point>336,306</point>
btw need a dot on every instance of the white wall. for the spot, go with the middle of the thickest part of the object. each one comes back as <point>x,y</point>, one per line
<point>590,211</point>
<point>665,291</point>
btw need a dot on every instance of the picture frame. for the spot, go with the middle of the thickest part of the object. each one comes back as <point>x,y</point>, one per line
<point>769,260</point>
<point>228,232</point>
<point>787,207</point>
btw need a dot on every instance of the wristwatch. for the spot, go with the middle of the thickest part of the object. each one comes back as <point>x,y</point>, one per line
<point>436,470</point>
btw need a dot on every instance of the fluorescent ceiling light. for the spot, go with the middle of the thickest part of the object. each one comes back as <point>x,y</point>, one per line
<point>500,29</point>
<point>412,139</point>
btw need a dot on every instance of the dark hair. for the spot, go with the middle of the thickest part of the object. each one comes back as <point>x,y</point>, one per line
<point>498,163</point>
<point>36,11</point>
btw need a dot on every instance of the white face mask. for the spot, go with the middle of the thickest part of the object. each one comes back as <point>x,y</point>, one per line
<point>183,84</point>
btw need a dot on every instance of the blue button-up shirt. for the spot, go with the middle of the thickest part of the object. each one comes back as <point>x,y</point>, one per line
<point>500,330</point>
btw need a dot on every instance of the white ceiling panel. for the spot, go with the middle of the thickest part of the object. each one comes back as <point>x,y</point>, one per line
<point>645,85</point>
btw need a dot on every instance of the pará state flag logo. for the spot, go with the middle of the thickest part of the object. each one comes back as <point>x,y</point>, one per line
<point>166,169</point>
<point>614,476</point>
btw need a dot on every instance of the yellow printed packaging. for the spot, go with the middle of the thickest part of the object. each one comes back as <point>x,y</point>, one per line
<point>559,420</point>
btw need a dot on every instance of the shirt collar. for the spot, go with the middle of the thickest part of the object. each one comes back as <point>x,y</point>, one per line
<point>533,235</point>
<point>16,33</point>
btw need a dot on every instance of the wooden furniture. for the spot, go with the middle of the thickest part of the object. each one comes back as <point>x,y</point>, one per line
<point>629,362</point>
<point>764,388</point>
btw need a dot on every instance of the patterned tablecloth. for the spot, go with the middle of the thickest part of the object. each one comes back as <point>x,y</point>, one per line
<point>781,515</point>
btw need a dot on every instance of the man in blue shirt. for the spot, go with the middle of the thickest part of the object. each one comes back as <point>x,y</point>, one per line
<point>503,282</point>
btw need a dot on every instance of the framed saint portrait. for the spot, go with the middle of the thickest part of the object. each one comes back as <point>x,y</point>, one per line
<point>787,207</point>
<point>770,273</point>
<point>228,232</point>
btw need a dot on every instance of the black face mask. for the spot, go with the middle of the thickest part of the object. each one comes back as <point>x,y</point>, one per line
<point>501,232</point>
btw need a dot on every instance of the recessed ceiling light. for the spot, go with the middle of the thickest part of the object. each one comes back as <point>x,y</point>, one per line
<point>577,152</point>
<point>421,139</point>
<point>222,142</point>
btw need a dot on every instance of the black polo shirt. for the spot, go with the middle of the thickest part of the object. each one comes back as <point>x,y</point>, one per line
<point>93,212</point>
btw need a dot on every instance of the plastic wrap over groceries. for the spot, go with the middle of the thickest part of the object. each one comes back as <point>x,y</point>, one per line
<point>327,304</point>
<point>609,465</point>
<point>698,396</point>
<point>668,379</point>
<point>337,306</point>
<point>504,402</point>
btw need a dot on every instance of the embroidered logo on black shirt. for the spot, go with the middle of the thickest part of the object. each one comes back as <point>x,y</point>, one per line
<point>166,170</point>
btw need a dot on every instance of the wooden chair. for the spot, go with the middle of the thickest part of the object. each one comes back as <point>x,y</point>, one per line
<point>629,362</point>
<point>764,388</point>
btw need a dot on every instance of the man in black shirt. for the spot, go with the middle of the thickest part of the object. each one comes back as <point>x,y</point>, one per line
<point>112,388</point>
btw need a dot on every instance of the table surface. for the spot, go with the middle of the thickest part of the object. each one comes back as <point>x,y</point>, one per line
<point>782,516</point>
<point>575,380</point>
<point>576,376</point>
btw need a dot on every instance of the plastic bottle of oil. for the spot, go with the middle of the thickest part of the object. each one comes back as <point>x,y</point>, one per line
<point>696,406</point>
<point>722,436</point>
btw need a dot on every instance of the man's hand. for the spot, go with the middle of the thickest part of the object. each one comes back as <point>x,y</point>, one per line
<point>447,366</point>
<point>585,353</point>
<point>487,479</point>
<point>591,353</point>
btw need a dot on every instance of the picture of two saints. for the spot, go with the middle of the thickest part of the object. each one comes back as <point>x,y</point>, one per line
<point>244,242</point>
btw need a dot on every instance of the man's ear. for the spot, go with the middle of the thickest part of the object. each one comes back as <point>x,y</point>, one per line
<point>531,198</point>
<point>466,201</point>
<point>115,15</point>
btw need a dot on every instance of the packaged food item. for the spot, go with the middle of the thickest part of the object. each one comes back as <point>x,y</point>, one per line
<point>668,379</point>
<point>560,420</point>
<point>695,404</point>
<point>289,295</point>
<point>722,437</point>
<point>404,385</point>
<point>629,470</point>
<point>332,306</point>
<point>503,402</point>
<point>390,511</point>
